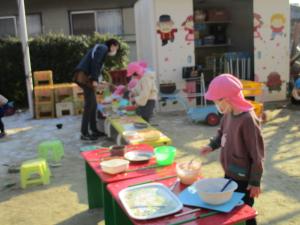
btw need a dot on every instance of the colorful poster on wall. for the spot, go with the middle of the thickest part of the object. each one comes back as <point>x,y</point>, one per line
<point>257,21</point>
<point>277,25</point>
<point>188,26</point>
<point>166,29</point>
<point>274,82</point>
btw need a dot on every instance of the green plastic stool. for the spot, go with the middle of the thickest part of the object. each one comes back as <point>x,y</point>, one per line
<point>51,150</point>
<point>34,167</point>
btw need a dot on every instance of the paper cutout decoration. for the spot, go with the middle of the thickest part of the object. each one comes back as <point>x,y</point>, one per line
<point>165,27</point>
<point>188,26</point>
<point>278,21</point>
<point>274,82</point>
<point>257,22</point>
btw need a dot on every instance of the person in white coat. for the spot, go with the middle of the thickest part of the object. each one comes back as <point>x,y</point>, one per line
<point>144,93</point>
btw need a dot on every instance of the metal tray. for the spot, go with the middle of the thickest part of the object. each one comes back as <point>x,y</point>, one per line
<point>149,201</point>
<point>138,156</point>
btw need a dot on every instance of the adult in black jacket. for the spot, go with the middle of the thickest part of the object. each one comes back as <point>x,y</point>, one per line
<point>86,75</point>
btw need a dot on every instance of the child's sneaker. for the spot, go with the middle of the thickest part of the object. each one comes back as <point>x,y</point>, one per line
<point>2,135</point>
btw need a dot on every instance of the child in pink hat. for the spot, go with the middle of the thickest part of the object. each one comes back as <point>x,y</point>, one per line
<point>239,137</point>
<point>142,88</point>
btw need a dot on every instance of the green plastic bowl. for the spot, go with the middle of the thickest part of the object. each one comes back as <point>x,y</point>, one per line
<point>165,155</point>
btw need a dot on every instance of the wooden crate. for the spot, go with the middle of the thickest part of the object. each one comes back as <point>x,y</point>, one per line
<point>63,91</point>
<point>77,93</point>
<point>43,78</point>
<point>44,94</point>
<point>64,108</point>
<point>44,110</point>
<point>78,107</point>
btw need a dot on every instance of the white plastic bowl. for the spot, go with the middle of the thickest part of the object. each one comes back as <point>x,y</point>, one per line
<point>209,190</point>
<point>114,166</point>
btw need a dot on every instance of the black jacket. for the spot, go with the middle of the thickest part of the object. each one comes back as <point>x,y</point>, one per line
<point>92,62</point>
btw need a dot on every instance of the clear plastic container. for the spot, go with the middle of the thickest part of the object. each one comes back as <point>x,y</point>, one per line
<point>188,172</point>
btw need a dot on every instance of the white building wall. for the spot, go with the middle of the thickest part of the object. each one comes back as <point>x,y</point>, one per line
<point>179,53</point>
<point>145,32</point>
<point>167,59</point>
<point>271,49</point>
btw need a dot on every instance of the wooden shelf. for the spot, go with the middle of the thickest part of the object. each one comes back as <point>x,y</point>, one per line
<point>213,46</point>
<point>214,22</point>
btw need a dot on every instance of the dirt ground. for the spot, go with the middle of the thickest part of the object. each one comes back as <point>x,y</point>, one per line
<point>64,201</point>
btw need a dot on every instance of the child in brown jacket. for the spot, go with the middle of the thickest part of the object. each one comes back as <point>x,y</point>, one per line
<point>239,137</point>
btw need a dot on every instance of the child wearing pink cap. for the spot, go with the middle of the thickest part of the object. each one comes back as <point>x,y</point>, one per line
<point>143,88</point>
<point>239,137</point>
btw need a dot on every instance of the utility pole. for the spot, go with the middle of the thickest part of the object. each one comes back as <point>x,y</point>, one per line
<point>26,55</point>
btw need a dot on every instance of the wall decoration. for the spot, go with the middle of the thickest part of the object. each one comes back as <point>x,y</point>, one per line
<point>189,59</point>
<point>188,25</point>
<point>165,27</point>
<point>278,21</point>
<point>257,22</point>
<point>274,82</point>
<point>259,54</point>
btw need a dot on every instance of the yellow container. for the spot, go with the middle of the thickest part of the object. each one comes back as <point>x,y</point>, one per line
<point>258,108</point>
<point>252,92</point>
<point>248,84</point>
<point>252,88</point>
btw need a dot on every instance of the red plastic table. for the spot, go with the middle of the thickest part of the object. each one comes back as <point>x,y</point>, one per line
<point>237,216</point>
<point>97,180</point>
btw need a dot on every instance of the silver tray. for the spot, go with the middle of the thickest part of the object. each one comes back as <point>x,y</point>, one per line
<point>149,201</point>
<point>138,156</point>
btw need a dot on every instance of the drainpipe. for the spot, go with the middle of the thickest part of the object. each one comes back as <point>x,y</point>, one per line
<point>26,56</point>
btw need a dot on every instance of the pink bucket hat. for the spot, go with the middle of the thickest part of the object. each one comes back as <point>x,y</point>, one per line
<point>226,86</point>
<point>138,67</point>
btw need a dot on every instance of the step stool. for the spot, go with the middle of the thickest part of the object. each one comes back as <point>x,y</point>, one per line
<point>55,147</point>
<point>34,167</point>
<point>64,108</point>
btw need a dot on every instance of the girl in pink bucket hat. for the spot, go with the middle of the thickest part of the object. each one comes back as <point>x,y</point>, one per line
<point>239,137</point>
<point>142,88</point>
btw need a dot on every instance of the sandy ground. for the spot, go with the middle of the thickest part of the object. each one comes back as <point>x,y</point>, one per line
<point>64,201</point>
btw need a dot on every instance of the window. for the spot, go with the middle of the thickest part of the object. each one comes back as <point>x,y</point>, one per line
<point>109,21</point>
<point>102,21</point>
<point>8,26</point>
<point>83,23</point>
<point>34,24</point>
